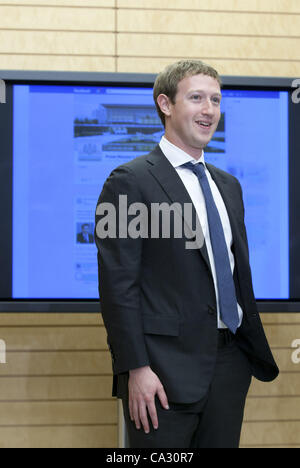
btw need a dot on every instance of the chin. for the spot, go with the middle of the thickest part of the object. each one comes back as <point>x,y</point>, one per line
<point>202,145</point>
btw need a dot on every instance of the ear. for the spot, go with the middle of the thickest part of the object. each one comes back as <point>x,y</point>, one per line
<point>164,104</point>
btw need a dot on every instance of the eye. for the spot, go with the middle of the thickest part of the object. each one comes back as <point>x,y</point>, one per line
<point>216,100</point>
<point>196,97</point>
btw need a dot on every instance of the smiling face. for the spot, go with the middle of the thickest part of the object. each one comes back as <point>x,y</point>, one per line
<point>193,118</point>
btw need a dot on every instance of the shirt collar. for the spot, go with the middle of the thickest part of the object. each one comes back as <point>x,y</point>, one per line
<point>176,156</point>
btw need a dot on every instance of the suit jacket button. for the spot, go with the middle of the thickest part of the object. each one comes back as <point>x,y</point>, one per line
<point>211,310</point>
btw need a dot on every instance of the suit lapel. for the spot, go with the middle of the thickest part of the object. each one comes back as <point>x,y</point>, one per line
<point>228,196</point>
<point>172,185</point>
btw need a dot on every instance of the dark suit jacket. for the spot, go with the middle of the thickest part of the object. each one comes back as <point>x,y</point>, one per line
<point>158,298</point>
<point>82,240</point>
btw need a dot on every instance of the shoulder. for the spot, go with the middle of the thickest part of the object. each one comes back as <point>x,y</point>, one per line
<point>135,165</point>
<point>135,168</point>
<point>128,178</point>
<point>229,178</point>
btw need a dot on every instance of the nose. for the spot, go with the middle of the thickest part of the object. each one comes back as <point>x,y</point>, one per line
<point>207,108</point>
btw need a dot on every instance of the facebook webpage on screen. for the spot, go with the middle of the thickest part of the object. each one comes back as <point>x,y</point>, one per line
<point>68,139</point>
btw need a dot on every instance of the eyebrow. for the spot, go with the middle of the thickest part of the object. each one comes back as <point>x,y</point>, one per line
<point>202,91</point>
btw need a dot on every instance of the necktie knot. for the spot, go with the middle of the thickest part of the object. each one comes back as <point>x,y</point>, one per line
<point>197,169</point>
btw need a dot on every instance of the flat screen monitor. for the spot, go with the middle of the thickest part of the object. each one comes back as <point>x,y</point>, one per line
<point>63,134</point>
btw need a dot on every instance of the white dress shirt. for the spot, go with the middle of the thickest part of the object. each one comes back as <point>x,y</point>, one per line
<point>177,158</point>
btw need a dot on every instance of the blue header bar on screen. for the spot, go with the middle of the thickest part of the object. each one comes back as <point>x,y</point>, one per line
<point>88,90</point>
<point>143,90</point>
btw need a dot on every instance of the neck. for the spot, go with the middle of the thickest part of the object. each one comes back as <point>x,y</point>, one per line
<point>195,153</point>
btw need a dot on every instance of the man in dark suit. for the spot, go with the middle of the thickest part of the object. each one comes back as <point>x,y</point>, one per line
<point>85,237</point>
<point>182,323</point>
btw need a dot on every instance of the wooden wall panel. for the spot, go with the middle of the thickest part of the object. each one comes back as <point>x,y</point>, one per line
<point>57,42</point>
<point>70,35</point>
<point>172,46</point>
<point>287,384</point>
<point>58,362</point>
<point>237,37</point>
<point>14,319</point>
<point>52,18</point>
<point>277,434</point>
<point>225,67</point>
<point>40,35</point>
<point>49,413</point>
<point>54,387</point>
<point>39,436</point>
<point>284,408</point>
<point>203,22</point>
<point>272,411</point>
<point>278,6</point>
<point>57,380</point>
<point>39,62</point>
<point>61,3</point>
<point>54,338</point>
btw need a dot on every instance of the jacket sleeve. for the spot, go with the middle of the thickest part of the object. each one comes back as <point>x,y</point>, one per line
<point>119,264</point>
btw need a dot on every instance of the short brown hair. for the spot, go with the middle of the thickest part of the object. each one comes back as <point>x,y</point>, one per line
<point>167,81</point>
